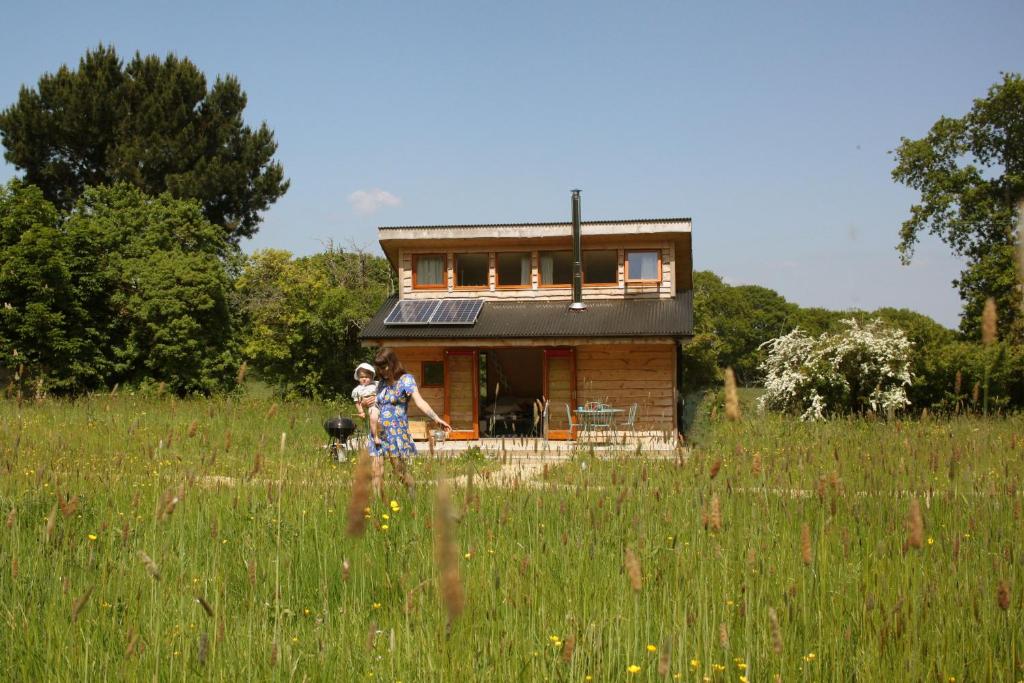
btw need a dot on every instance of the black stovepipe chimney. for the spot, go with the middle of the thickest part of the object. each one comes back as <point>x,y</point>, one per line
<point>577,257</point>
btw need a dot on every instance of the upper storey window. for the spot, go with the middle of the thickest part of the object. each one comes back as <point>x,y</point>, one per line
<point>643,266</point>
<point>429,272</point>
<point>555,268</point>
<point>471,270</point>
<point>514,269</point>
<point>601,267</point>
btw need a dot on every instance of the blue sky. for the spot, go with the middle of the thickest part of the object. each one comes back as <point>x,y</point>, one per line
<point>769,124</point>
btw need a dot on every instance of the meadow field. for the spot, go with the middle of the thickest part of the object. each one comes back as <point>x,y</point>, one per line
<point>148,538</point>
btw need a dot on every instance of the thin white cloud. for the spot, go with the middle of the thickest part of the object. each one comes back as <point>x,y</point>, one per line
<point>365,202</point>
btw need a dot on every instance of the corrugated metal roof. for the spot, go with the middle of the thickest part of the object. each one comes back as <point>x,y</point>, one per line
<point>526,319</point>
<point>626,221</point>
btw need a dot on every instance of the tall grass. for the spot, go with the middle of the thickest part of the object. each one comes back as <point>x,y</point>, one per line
<point>794,560</point>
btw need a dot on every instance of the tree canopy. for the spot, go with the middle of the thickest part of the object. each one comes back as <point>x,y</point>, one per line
<point>970,173</point>
<point>152,123</point>
<point>125,288</point>
<point>301,316</point>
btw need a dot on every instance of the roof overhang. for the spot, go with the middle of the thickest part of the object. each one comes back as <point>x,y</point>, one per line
<point>528,319</point>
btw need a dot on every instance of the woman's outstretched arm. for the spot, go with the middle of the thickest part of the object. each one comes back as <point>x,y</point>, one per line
<point>422,404</point>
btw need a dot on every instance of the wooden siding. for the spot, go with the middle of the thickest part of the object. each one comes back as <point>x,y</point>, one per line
<point>412,358</point>
<point>616,373</point>
<point>623,374</point>
<point>666,288</point>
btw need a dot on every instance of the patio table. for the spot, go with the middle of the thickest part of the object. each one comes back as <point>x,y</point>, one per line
<point>593,420</point>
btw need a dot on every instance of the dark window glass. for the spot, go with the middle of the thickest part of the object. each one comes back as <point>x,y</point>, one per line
<point>513,268</point>
<point>433,374</point>
<point>471,270</point>
<point>556,267</point>
<point>600,267</point>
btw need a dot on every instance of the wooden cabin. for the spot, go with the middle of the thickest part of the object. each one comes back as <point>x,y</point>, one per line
<point>482,319</point>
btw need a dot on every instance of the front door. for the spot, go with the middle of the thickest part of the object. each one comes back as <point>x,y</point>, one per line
<point>461,392</point>
<point>560,391</point>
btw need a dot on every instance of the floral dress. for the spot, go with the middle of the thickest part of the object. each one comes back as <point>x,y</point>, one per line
<point>393,429</point>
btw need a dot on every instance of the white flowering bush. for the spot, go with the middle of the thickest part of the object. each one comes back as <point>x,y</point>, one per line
<point>853,370</point>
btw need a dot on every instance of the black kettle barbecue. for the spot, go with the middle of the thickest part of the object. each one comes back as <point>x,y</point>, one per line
<point>340,429</point>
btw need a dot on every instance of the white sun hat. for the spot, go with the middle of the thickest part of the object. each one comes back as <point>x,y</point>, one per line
<point>364,366</point>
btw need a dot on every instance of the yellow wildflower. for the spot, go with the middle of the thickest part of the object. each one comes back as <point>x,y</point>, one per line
<point>92,537</point>
<point>633,669</point>
<point>652,648</point>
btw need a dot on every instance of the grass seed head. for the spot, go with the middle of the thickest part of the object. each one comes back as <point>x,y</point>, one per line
<point>988,322</point>
<point>633,570</point>
<point>150,565</point>
<point>915,525</point>
<point>447,553</point>
<point>775,631</point>
<point>51,521</point>
<point>568,648</point>
<point>11,516</point>
<point>1003,595</point>
<point>359,499</point>
<point>243,369</point>
<point>805,545</point>
<point>715,516</point>
<point>202,648</point>
<point>79,603</point>
<point>732,401</point>
<point>133,640</point>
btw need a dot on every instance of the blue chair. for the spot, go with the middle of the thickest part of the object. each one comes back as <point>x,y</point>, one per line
<point>573,424</point>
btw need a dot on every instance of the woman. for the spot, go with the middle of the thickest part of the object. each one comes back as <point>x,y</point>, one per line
<point>395,389</point>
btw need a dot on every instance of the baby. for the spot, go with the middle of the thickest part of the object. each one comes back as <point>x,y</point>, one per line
<point>367,387</point>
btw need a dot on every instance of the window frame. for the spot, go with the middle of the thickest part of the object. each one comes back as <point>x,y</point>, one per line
<point>540,277</point>
<point>444,260</point>
<point>497,277</point>
<point>423,374</point>
<point>636,281</point>
<point>600,284</point>
<point>455,271</point>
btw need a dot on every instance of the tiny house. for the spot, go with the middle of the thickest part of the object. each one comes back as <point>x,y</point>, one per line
<point>512,330</point>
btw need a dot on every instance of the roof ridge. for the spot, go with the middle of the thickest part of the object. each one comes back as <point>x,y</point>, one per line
<point>539,224</point>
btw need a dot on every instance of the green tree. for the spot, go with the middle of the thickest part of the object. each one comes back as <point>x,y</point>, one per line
<point>40,317</point>
<point>302,316</point>
<point>125,288</point>
<point>152,123</point>
<point>970,173</point>
<point>734,322</point>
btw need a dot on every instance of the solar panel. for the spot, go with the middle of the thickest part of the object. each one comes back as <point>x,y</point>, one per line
<point>457,312</point>
<point>412,312</point>
<point>435,312</point>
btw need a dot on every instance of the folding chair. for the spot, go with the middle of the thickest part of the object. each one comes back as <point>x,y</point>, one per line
<point>630,422</point>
